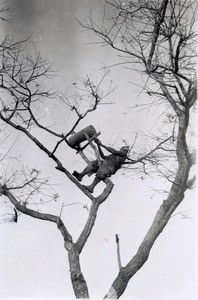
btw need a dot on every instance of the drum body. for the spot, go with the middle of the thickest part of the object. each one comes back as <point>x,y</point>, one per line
<point>79,137</point>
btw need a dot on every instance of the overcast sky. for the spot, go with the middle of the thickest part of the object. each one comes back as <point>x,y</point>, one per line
<point>32,256</point>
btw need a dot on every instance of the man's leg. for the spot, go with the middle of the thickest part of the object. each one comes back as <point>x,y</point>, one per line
<point>102,173</point>
<point>91,187</point>
<point>91,168</point>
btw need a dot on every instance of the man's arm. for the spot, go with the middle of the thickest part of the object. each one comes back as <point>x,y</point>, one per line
<point>110,149</point>
<point>100,151</point>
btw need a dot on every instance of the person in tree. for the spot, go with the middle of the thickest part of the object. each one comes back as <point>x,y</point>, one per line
<point>109,165</point>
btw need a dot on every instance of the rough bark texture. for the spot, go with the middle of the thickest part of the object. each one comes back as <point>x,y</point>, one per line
<point>78,282</point>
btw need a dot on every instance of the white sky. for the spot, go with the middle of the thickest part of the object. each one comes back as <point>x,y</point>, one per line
<point>32,257</point>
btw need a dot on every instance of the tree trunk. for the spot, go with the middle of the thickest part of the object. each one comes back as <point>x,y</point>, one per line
<point>78,282</point>
<point>163,215</point>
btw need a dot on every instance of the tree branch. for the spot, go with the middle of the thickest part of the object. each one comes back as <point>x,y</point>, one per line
<point>134,161</point>
<point>37,215</point>
<point>93,214</point>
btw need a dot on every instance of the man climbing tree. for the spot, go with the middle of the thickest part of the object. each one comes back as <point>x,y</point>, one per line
<point>109,166</point>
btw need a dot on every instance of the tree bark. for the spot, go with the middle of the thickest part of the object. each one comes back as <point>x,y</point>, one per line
<point>78,281</point>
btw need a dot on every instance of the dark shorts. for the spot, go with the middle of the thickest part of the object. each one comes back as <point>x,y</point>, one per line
<point>103,171</point>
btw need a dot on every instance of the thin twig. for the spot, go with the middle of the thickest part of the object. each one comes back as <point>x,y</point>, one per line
<point>118,251</point>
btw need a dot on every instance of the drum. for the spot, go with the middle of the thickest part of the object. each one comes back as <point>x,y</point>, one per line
<point>79,137</point>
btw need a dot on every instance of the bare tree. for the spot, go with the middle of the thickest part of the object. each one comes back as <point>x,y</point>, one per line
<point>158,38</point>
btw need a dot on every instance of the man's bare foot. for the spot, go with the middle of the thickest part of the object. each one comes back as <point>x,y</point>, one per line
<point>77,175</point>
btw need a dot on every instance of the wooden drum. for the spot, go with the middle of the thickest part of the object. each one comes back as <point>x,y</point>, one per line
<point>79,137</point>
